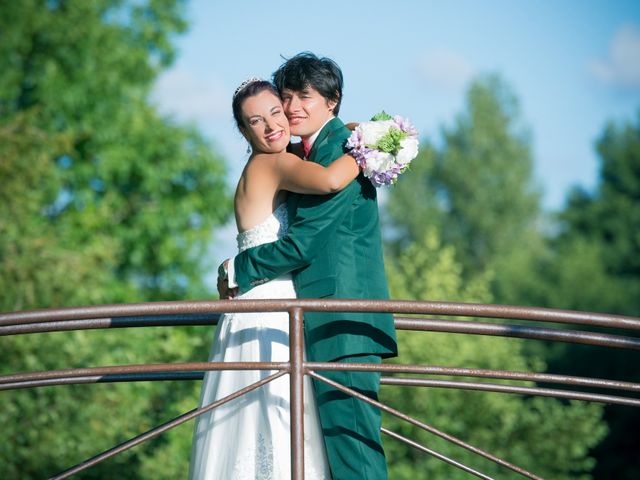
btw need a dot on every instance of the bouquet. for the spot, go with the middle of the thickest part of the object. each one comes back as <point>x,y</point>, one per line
<point>384,147</point>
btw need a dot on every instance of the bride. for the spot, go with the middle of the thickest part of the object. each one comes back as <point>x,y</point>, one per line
<point>249,437</point>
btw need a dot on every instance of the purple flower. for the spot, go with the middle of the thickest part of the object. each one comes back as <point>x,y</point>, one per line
<point>405,125</point>
<point>383,168</point>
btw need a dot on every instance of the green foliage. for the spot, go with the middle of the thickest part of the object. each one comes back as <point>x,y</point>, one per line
<point>477,189</point>
<point>594,265</point>
<point>390,142</point>
<point>53,428</point>
<point>414,193</point>
<point>516,429</point>
<point>128,181</point>
<point>102,201</point>
<point>610,217</point>
<point>381,116</point>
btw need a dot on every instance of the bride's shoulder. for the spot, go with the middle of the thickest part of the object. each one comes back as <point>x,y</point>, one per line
<point>275,160</point>
<point>265,166</point>
<point>261,161</point>
<point>266,159</point>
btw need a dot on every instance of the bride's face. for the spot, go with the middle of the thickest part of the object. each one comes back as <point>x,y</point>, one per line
<point>266,127</point>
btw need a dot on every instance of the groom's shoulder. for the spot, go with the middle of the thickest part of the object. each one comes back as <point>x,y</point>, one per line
<point>337,127</point>
<point>338,132</point>
<point>331,142</point>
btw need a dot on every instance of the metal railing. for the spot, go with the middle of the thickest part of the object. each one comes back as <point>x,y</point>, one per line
<point>208,312</point>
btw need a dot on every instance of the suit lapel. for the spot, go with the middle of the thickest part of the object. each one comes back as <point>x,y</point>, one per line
<point>323,136</point>
<point>331,125</point>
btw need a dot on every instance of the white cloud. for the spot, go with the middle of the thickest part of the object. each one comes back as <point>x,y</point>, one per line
<point>182,93</point>
<point>622,65</point>
<point>445,69</point>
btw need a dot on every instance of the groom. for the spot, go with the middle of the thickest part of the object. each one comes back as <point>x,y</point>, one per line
<point>333,249</point>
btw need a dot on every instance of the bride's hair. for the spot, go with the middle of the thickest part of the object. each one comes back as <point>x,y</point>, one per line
<point>246,90</point>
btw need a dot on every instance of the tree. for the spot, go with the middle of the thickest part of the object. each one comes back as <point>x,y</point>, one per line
<point>123,167</point>
<point>103,201</point>
<point>510,427</point>
<point>477,189</point>
<point>610,216</point>
<point>594,265</point>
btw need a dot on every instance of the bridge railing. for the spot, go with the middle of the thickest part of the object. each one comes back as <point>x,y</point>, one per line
<point>172,314</point>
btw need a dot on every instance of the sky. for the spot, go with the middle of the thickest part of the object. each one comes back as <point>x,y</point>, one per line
<point>573,65</point>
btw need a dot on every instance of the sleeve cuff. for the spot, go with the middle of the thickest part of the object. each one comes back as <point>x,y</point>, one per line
<point>231,273</point>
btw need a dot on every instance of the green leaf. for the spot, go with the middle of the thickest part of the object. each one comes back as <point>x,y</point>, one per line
<point>381,116</point>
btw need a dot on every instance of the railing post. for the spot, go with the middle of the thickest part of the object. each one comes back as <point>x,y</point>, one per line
<point>296,378</point>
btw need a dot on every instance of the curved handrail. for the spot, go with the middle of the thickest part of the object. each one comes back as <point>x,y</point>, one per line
<point>316,305</point>
<point>187,313</point>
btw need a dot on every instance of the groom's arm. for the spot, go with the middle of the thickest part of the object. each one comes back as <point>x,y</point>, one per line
<point>317,218</point>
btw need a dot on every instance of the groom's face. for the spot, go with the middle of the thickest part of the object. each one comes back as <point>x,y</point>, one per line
<point>306,110</point>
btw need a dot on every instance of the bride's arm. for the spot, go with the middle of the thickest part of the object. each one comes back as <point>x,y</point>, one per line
<point>296,147</point>
<point>302,176</point>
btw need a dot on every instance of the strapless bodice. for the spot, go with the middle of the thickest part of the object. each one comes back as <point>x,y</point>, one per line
<point>269,230</point>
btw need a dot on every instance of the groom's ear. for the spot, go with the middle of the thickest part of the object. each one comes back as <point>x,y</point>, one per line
<point>331,104</point>
<point>334,101</point>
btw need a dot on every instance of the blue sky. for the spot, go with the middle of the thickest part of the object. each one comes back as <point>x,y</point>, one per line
<point>574,65</point>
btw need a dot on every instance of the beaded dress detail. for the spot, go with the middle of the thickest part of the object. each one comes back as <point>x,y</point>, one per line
<point>269,230</point>
<point>248,438</point>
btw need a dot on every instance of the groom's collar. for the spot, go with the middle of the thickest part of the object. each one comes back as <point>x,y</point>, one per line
<point>310,141</point>
<point>324,133</point>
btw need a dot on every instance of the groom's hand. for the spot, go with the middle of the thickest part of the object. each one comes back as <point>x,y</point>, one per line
<point>224,291</point>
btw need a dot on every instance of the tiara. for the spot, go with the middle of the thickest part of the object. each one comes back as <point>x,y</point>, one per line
<point>245,84</point>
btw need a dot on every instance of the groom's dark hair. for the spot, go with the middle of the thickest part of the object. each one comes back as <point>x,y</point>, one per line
<point>306,69</point>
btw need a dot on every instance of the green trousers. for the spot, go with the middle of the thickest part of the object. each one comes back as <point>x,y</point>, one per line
<point>351,427</point>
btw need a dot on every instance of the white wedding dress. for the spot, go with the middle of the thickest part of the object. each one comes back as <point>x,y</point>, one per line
<point>249,437</point>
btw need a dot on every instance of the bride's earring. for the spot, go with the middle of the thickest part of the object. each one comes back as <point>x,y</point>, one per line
<point>248,149</point>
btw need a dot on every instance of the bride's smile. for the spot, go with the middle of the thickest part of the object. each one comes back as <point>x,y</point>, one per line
<point>265,125</point>
<point>275,136</point>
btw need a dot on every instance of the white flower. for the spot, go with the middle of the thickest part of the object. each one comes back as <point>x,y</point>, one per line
<point>372,132</point>
<point>380,167</point>
<point>378,162</point>
<point>408,150</point>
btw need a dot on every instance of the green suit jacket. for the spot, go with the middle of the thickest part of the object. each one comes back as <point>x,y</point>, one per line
<point>333,249</point>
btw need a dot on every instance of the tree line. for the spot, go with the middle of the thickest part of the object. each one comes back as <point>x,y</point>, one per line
<point>477,233</point>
